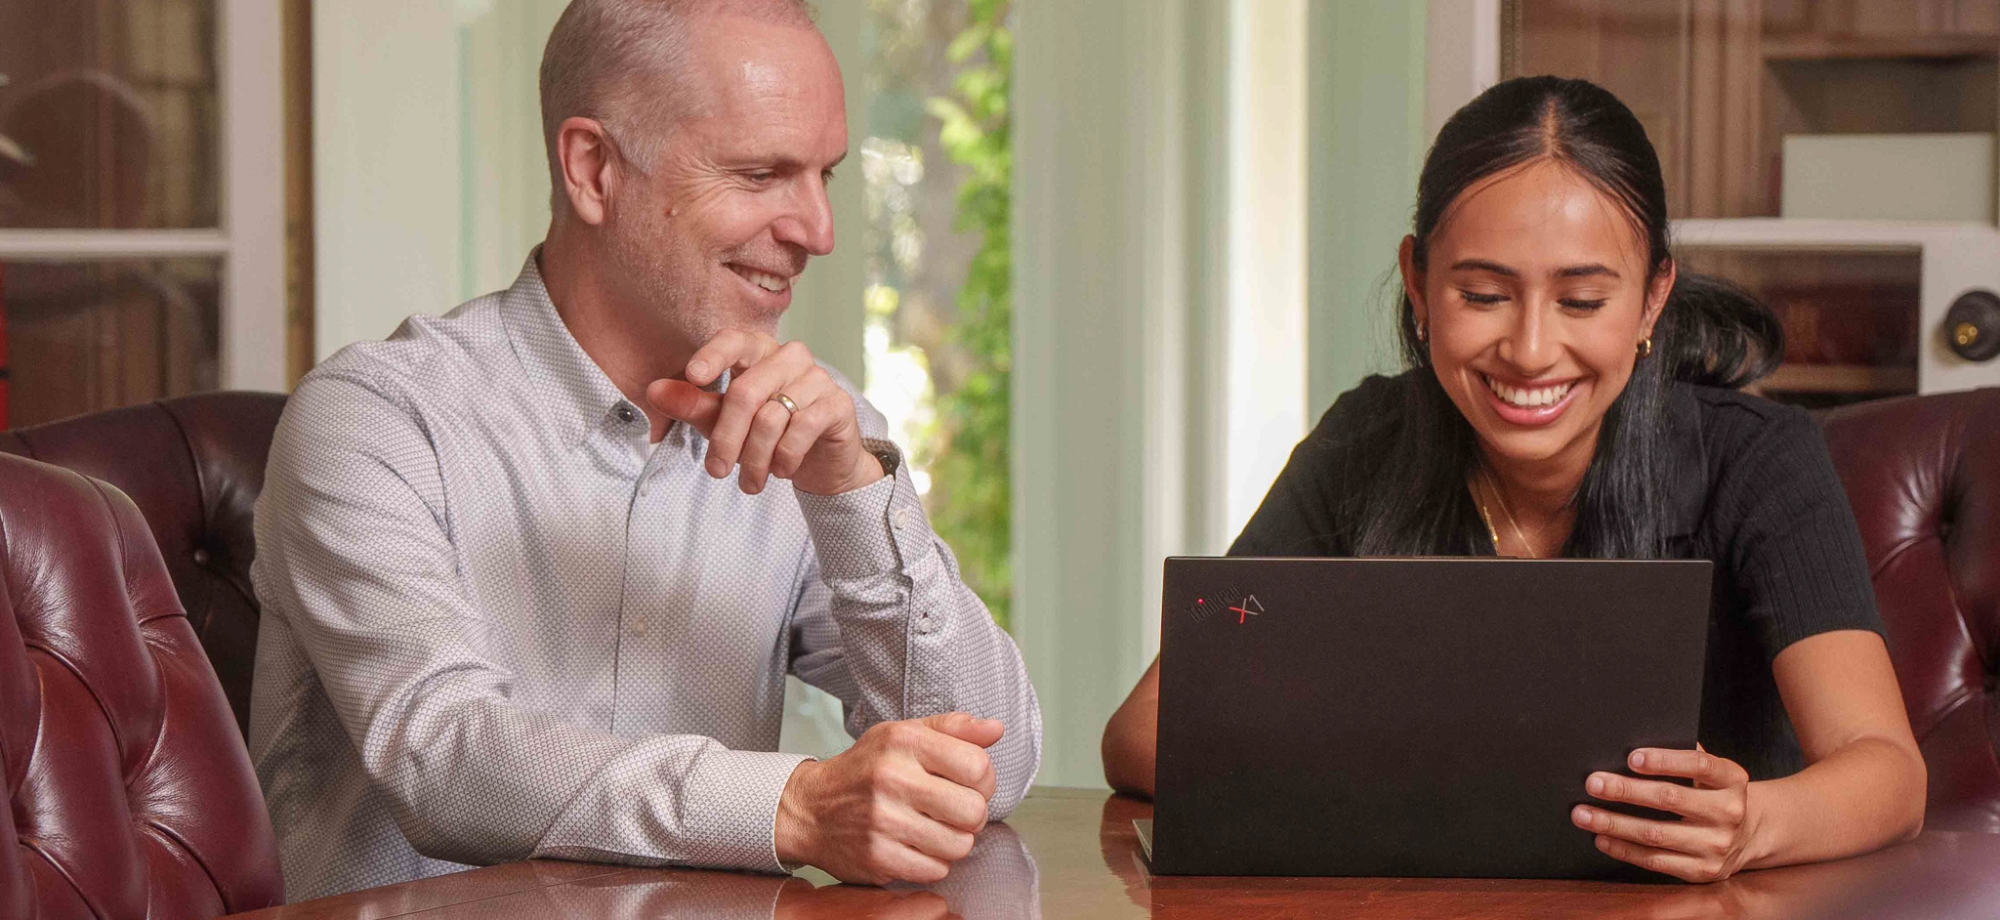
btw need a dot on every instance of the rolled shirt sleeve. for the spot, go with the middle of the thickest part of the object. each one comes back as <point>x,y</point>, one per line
<point>909,638</point>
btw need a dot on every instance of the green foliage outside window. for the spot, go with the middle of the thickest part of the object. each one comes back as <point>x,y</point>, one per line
<point>974,418</point>
<point>937,166</point>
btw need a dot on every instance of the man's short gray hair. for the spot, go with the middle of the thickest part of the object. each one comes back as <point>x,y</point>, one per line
<point>621,62</point>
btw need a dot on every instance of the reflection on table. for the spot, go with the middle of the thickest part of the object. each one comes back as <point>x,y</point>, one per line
<point>1074,853</point>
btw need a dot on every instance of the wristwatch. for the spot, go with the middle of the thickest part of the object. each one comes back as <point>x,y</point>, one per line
<point>887,453</point>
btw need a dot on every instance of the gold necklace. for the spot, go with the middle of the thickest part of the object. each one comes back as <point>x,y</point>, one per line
<point>1487,518</point>
<point>1487,480</point>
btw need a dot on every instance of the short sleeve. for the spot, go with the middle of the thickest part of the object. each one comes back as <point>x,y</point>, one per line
<point>1794,552</point>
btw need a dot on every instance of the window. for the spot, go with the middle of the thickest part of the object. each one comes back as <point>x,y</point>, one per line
<point>938,167</point>
<point>141,201</point>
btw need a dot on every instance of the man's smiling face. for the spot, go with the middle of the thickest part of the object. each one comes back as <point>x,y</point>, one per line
<point>716,229</point>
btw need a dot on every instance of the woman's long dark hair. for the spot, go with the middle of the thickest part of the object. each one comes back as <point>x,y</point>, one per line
<point>1710,333</point>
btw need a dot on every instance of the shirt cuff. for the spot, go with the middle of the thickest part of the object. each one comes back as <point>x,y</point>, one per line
<point>876,530</point>
<point>736,813</point>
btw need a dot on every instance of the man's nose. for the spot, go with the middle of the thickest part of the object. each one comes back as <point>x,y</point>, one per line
<point>809,225</point>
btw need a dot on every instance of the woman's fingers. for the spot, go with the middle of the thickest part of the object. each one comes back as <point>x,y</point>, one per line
<point>1714,806</point>
<point>1680,837</point>
<point>1652,793</point>
<point>1666,862</point>
<point>1705,845</point>
<point>1704,768</point>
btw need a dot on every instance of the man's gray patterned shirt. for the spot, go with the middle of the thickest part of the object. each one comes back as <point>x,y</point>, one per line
<point>498,623</point>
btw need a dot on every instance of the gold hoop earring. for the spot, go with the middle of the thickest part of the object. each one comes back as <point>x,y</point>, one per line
<point>1423,331</point>
<point>1646,348</point>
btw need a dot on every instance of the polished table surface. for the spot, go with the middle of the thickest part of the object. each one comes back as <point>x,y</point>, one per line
<point>1073,853</point>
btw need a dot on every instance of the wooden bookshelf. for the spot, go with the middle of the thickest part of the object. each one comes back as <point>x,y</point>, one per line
<point>1917,47</point>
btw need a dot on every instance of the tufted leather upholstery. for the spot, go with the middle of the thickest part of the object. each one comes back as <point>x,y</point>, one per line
<point>130,792</point>
<point>1923,475</point>
<point>194,466</point>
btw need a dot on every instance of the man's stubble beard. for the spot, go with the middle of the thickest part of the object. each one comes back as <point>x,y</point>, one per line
<point>668,284</point>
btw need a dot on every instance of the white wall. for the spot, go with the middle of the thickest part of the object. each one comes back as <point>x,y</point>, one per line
<point>386,169</point>
<point>503,172</point>
<point>1366,108</point>
<point>1463,37</point>
<point>1265,381</point>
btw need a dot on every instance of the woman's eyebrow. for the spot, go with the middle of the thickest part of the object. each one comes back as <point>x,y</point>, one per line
<point>1569,271</point>
<point>1481,265</point>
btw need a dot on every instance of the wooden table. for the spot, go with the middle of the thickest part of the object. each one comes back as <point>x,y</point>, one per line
<point>1073,853</point>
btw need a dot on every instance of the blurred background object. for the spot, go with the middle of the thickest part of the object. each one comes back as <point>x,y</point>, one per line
<point>1836,156</point>
<point>131,272</point>
<point>12,154</point>
<point>1840,176</point>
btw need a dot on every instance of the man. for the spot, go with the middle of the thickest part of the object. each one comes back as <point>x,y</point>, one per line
<point>533,573</point>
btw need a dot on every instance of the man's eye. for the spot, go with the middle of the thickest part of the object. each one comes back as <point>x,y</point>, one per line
<point>761,176</point>
<point>826,177</point>
<point>1471,297</point>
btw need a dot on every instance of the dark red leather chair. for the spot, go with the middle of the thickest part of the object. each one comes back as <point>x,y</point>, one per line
<point>130,794</point>
<point>194,466</point>
<point>1923,474</point>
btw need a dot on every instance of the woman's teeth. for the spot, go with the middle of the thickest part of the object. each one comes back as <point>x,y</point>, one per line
<point>771,283</point>
<point>1528,398</point>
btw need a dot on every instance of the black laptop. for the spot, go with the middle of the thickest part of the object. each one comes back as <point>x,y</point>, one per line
<point>1412,717</point>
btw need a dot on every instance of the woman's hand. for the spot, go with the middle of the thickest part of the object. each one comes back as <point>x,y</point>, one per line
<point>1715,835</point>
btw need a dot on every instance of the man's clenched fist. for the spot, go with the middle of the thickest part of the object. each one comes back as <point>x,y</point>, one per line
<point>902,804</point>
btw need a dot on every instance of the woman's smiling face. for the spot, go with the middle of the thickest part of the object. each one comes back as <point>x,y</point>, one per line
<point>1536,296</point>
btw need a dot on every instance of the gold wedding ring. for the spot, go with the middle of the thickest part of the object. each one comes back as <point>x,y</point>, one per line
<point>786,401</point>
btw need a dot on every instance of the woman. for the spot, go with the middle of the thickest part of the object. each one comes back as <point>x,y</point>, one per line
<point>1571,393</point>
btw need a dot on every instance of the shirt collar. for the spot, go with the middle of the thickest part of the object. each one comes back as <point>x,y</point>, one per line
<point>573,392</point>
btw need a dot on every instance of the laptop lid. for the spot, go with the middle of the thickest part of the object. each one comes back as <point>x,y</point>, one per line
<point>1412,717</point>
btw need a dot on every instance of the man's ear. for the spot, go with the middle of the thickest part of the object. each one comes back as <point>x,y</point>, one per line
<point>589,163</point>
<point>1413,278</point>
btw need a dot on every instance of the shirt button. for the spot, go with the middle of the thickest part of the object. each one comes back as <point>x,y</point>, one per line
<point>625,414</point>
<point>904,519</point>
<point>636,626</point>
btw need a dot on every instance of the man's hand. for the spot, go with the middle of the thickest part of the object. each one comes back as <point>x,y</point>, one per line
<point>901,805</point>
<point>818,447</point>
